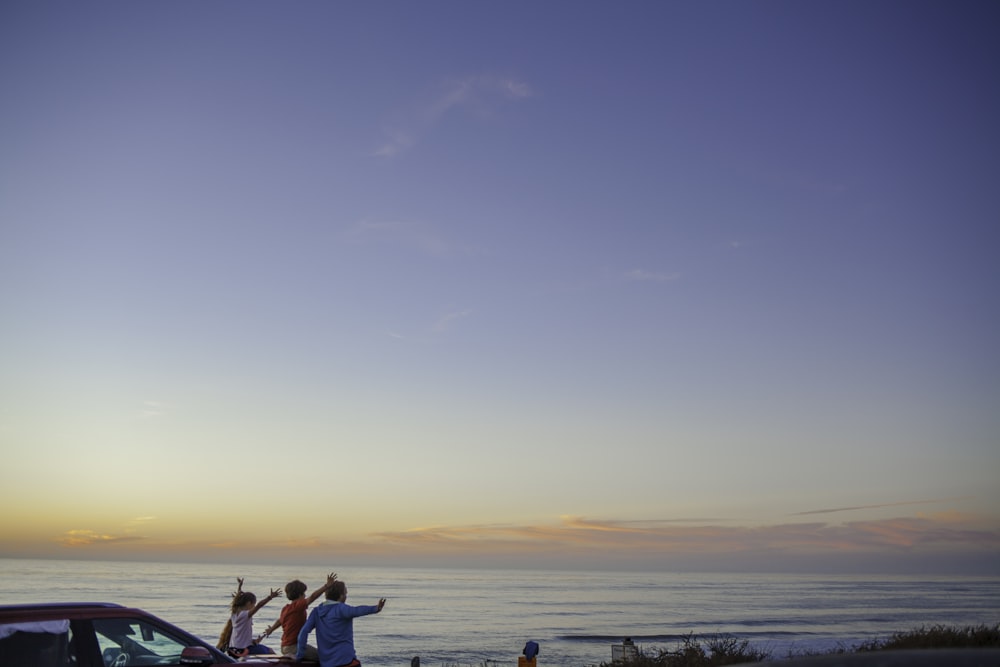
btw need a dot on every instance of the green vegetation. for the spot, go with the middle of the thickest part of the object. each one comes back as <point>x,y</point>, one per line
<point>938,636</point>
<point>727,650</point>
<point>695,652</point>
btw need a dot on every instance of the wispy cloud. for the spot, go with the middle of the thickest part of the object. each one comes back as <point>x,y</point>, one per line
<point>85,538</point>
<point>227,544</point>
<point>481,95</point>
<point>152,409</point>
<point>444,322</point>
<point>396,141</point>
<point>418,236</point>
<point>802,181</point>
<point>642,275</point>
<point>855,508</point>
<point>439,326</point>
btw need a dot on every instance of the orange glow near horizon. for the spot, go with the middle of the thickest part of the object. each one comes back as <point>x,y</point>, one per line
<point>570,538</point>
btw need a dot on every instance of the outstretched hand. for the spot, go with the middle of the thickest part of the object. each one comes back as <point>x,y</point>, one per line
<point>381,603</point>
<point>275,593</point>
<point>332,577</point>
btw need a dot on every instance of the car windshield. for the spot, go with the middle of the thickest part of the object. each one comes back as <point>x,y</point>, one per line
<point>128,642</point>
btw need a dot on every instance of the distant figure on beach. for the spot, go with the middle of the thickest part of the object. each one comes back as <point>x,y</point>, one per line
<point>293,616</point>
<point>334,624</point>
<point>243,607</point>
<point>530,652</point>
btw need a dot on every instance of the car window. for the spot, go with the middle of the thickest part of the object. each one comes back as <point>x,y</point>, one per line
<point>130,642</point>
<point>44,644</point>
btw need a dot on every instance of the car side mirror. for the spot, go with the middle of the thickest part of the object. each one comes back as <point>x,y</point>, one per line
<point>196,655</point>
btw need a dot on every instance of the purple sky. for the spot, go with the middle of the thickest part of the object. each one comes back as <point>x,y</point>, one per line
<point>502,278</point>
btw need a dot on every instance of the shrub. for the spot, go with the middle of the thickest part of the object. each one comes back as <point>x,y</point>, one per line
<point>720,650</point>
<point>937,636</point>
<point>692,652</point>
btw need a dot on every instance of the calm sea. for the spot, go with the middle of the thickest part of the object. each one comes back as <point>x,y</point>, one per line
<point>468,617</point>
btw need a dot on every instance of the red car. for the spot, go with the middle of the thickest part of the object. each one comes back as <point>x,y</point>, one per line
<point>99,635</point>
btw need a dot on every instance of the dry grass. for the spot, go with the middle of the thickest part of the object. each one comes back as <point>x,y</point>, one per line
<point>727,650</point>
<point>938,636</point>
<point>695,652</point>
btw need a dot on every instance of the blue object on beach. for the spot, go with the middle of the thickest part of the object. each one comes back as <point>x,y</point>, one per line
<point>530,650</point>
<point>259,649</point>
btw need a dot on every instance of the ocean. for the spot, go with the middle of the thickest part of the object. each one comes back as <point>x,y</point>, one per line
<point>457,618</point>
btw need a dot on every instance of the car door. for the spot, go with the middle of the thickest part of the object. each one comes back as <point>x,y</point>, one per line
<point>137,642</point>
<point>35,644</point>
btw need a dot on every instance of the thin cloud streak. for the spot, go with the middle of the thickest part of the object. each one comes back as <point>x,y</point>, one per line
<point>481,93</point>
<point>408,234</point>
<point>869,507</point>
<point>624,535</point>
<point>84,538</point>
<point>141,520</point>
<point>152,409</point>
<point>641,275</point>
<point>445,321</point>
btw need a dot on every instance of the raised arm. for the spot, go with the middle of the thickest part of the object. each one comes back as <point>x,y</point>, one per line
<point>330,578</point>
<point>227,631</point>
<point>275,593</point>
<point>271,628</point>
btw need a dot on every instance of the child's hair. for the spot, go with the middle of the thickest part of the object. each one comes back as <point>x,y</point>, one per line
<point>295,589</point>
<point>242,599</point>
<point>336,590</point>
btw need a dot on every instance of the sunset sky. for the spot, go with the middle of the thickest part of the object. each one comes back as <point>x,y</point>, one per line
<point>645,285</point>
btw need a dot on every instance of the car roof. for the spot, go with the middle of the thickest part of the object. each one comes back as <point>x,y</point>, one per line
<point>57,605</point>
<point>52,611</point>
<point>21,612</point>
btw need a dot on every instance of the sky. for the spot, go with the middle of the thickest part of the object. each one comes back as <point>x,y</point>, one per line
<point>565,284</point>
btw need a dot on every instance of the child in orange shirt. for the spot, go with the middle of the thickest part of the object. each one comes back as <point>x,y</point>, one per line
<point>293,616</point>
